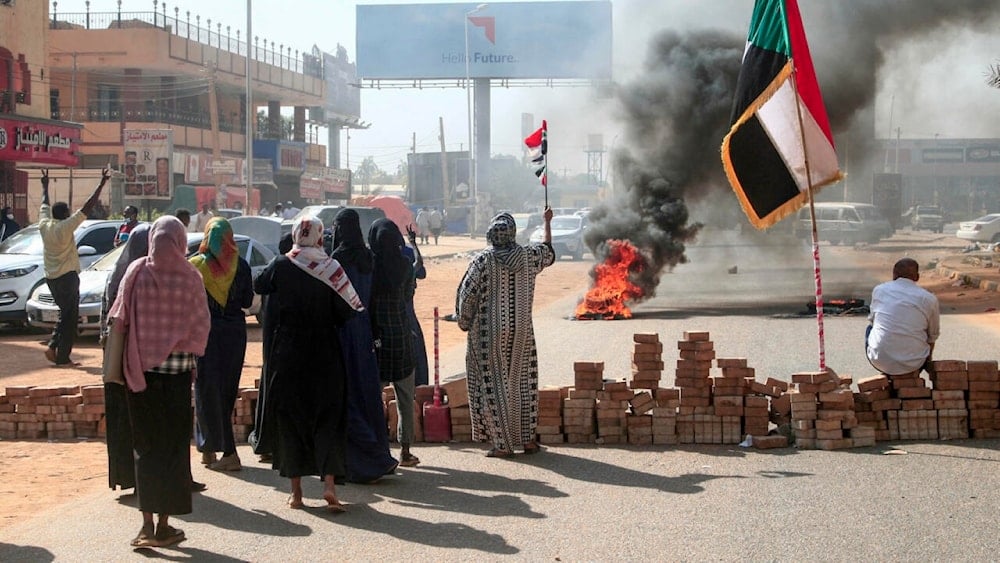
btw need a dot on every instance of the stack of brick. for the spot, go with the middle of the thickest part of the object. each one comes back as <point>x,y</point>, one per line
<point>949,395</point>
<point>728,394</point>
<point>612,409</point>
<point>665,416</point>
<point>579,408</point>
<point>550,414</point>
<point>983,398</point>
<point>695,416</point>
<point>243,413</point>
<point>457,394</point>
<point>640,419</point>
<point>823,413</point>
<point>873,399</point>
<point>647,360</point>
<point>54,413</point>
<point>779,407</point>
<point>916,418</point>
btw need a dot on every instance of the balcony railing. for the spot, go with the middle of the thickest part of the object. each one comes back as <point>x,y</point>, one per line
<point>200,119</point>
<point>182,26</point>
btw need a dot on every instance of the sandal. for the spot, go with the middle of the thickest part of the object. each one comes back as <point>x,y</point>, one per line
<point>146,538</point>
<point>532,448</point>
<point>295,504</point>
<point>409,460</point>
<point>169,535</point>
<point>496,452</point>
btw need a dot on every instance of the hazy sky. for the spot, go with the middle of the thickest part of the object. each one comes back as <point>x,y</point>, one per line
<point>935,84</point>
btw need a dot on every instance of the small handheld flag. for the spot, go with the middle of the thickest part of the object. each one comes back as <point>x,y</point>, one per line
<point>538,148</point>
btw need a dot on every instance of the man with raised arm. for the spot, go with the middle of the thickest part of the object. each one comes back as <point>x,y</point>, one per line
<point>62,265</point>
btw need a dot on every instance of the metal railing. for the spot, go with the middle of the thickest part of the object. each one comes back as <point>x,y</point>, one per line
<point>115,113</point>
<point>182,26</point>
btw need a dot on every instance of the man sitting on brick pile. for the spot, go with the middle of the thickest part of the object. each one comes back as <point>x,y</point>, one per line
<point>905,323</point>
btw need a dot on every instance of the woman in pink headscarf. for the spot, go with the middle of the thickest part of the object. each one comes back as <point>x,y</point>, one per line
<point>161,307</point>
<point>308,382</point>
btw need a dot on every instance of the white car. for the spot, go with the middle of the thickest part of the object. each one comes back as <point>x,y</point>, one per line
<point>567,235</point>
<point>21,262</point>
<point>43,312</point>
<point>983,229</point>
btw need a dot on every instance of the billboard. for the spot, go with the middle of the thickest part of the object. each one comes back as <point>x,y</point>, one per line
<point>523,40</point>
<point>39,142</point>
<point>148,171</point>
<point>343,100</point>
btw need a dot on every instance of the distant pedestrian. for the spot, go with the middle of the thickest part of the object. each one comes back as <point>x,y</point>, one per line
<point>493,306</point>
<point>309,387</point>
<point>424,224</point>
<point>8,225</point>
<point>161,307</point>
<point>62,266</point>
<point>436,224</point>
<point>184,216</point>
<point>290,211</point>
<point>201,219</point>
<point>229,288</point>
<point>131,215</point>
<point>392,287</point>
<point>368,456</point>
<point>278,211</point>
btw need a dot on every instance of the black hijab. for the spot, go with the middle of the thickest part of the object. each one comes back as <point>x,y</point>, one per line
<point>392,269</point>
<point>348,243</point>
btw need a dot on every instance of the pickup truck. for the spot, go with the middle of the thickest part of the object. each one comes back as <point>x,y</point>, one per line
<point>928,217</point>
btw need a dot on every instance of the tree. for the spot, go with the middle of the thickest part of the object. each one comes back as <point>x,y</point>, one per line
<point>993,75</point>
<point>366,173</point>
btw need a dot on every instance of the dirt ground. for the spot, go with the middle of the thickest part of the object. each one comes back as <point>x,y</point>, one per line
<point>37,475</point>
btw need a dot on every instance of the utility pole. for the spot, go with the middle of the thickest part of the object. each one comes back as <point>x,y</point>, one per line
<point>72,117</point>
<point>445,184</point>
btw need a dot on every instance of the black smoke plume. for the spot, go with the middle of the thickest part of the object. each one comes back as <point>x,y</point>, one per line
<point>675,117</point>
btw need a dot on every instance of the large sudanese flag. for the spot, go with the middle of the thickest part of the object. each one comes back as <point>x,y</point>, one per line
<point>765,151</point>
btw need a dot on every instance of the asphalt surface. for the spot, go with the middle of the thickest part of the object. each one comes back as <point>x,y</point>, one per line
<point>893,502</point>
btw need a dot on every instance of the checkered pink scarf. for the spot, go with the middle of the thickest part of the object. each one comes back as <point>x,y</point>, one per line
<point>161,304</point>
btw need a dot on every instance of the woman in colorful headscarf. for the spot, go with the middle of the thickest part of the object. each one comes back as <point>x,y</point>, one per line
<point>368,457</point>
<point>229,290</point>
<point>161,309</point>
<point>393,286</point>
<point>308,382</point>
<point>493,306</point>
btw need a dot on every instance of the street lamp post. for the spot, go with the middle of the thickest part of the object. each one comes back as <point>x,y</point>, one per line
<point>473,187</point>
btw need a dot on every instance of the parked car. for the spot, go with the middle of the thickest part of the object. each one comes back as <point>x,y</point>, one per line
<point>567,236</point>
<point>21,262</point>
<point>326,213</point>
<point>42,311</point>
<point>983,229</point>
<point>228,213</point>
<point>848,223</point>
<point>928,217</point>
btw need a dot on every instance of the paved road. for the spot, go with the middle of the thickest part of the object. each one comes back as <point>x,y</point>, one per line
<point>590,503</point>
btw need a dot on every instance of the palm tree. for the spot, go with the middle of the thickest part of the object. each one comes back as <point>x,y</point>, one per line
<point>993,75</point>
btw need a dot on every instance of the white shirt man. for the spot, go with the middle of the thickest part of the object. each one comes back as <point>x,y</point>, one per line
<point>200,220</point>
<point>905,322</point>
<point>290,211</point>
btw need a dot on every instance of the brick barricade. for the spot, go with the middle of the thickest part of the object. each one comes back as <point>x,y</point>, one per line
<point>961,399</point>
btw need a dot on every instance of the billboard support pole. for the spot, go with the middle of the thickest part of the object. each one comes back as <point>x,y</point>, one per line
<point>473,187</point>
<point>251,114</point>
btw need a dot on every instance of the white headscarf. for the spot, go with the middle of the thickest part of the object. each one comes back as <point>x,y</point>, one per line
<point>307,253</point>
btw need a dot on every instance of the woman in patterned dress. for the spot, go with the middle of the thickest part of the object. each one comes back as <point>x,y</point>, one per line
<point>494,307</point>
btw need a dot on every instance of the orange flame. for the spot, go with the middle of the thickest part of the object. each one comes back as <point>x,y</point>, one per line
<point>612,289</point>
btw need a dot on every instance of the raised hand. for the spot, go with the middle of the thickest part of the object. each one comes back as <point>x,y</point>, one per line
<point>106,173</point>
<point>45,177</point>
<point>412,235</point>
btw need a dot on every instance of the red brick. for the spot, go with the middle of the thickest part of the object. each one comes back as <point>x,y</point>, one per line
<point>948,365</point>
<point>731,362</point>
<point>772,382</point>
<point>645,337</point>
<point>696,335</point>
<point>698,345</point>
<point>588,367</point>
<point>648,348</point>
<point>873,383</point>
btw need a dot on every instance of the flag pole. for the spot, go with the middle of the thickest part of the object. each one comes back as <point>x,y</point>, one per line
<point>812,219</point>
<point>545,184</point>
